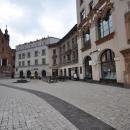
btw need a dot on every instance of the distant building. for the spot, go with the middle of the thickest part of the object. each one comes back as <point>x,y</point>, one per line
<point>63,55</point>
<point>7,56</point>
<point>32,58</point>
<point>104,39</point>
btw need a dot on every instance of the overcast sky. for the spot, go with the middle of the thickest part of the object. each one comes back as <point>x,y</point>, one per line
<point>29,20</point>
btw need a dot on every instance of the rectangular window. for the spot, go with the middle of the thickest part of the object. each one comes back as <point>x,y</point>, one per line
<point>73,44</point>
<point>43,61</point>
<point>20,64</point>
<point>23,56</point>
<point>36,62</point>
<point>36,53</point>
<point>68,58</point>
<point>54,51</point>
<point>63,48</point>
<point>43,52</point>
<point>86,38</point>
<point>105,26</point>
<point>23,63</point>
<point>19,56</point>
<point>28,55</point>
<point>54,61</point>
<point>60,50</point>
<point>82,15</point>
<point>28,62</point>
<point>68,45</point>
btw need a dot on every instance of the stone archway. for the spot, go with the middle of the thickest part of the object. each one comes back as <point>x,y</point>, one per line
<point>87,68</point>
<point>21,74</point>
<point>36,74</point>
<point>108,67</point>
<point>43,73</point>
<point>28,74</point>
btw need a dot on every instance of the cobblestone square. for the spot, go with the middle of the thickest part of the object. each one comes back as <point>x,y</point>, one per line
<point>71,105</point>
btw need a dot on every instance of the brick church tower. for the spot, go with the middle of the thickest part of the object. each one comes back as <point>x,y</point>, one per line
<point>7,56</point>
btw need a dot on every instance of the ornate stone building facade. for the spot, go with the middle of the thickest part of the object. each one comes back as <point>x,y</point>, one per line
<point>103,39</point>
<point>7,56</point>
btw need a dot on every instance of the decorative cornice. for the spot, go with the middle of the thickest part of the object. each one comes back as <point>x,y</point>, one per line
<point>96,13</point>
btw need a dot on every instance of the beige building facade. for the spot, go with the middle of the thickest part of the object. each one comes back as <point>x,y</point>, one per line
<point>64,55</point>
<point>103,39</point>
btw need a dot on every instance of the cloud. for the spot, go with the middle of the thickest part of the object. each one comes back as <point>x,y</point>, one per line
<point>29,20</point>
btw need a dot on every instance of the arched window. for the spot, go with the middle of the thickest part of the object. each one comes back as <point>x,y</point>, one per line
<point>105,25</point>
<point>43,73</point>
<point>88,68</point>
<point>108,67</point>
<point>28,74</point>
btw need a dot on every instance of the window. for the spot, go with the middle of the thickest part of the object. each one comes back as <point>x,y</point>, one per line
<point>28,55</point>
<point>64,72</point>
<point>54,61</point>
<point>81,2</point>
<point>23,56</point>
<point>28,62</point>
<point>43,52</point>
<point>19,56</point>
<point>36,62</point>
<point>108,67</point>
<point>36,53</point>
<point>60,50</point>
<point>64,48</point>
<point>73,42</point>
<point>105,26</point>
<point>68,57</point>
<point>54,51</point>
<point>68,45</point>
<point>20,64</point>
<point>23,63</point>
<point>82,15</point>
<point>73,55</point>
<point>43,61</point>
<point>86,38</point>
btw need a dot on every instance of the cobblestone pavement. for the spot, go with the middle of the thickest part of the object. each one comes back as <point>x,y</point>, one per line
<point>109,104</point>
<point>23,111</point>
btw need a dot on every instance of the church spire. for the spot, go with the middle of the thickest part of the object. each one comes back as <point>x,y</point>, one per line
<point>6,33</point>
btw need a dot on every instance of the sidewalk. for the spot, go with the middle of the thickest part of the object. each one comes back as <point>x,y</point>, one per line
<point>109,104</point>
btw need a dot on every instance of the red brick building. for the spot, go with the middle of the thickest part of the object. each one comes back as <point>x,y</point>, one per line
<point>7,56</point>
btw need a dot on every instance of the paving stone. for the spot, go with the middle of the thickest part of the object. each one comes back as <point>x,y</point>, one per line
<point>24,111</point>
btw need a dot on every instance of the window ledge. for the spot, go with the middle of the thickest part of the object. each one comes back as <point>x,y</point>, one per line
<point>86,48</point>
<point>106,38</point>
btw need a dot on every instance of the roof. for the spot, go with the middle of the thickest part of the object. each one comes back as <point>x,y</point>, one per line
<point>72,31</point>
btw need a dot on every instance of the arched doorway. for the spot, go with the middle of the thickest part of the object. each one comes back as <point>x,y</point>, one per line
<point>61,72</point>
<point>108,67</point>
<point>43,73</point>
<point>21,74</point>
<point>88,68</point>
<point>28,74</point>
<point>36,74</point>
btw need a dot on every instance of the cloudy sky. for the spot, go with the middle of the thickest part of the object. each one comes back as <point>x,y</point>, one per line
<point>29,20</point>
